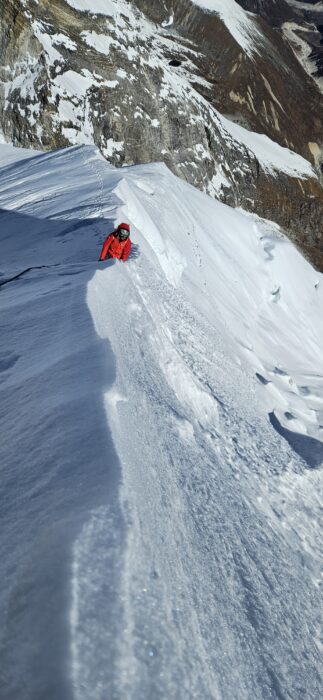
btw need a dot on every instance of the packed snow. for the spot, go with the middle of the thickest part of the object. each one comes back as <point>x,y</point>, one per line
<point>161,445</point>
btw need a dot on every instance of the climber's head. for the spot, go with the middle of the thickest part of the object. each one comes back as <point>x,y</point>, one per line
<point>123,231</point>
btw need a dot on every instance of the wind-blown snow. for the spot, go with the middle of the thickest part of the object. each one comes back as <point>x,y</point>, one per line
<point>240,23</point>
<point>161,441</point>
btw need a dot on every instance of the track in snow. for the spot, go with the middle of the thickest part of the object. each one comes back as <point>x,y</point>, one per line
<point>211,591</point>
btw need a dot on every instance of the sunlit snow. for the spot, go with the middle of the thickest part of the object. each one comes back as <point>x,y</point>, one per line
<point>273,157</point>
<point>104,7</point>
<point>161,441</point>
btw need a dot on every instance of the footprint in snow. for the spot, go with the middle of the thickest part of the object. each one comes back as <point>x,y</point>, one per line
<point>262,379</point>
<point>280,372</point>
<point>268,246</point>
<point>8,360</point>
<point>304,391</point>
<point>275,295</point>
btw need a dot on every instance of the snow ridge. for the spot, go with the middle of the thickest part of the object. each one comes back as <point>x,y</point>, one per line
<point>149,499</point>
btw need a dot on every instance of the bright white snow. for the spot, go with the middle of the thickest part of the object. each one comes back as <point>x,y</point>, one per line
<point>159,529</point>
<point>103,7</point>
<point>100,42</point>
<point>272,157</point>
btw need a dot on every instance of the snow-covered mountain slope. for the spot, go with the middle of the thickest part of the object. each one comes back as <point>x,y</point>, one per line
<point>160,530</point>
<point>205,86</point>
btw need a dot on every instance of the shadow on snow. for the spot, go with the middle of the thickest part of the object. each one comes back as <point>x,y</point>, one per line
<point>308,448</point>
<point>58,463</point>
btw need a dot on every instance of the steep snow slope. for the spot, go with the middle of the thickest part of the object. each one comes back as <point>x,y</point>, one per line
<point>159,538</point>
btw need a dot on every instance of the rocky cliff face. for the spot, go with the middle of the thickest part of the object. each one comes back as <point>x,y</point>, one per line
<point>302,26</point>
<point>149,81</point>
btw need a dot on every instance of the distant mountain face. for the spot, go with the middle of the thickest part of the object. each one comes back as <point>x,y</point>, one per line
<point>304,30</point>
<point>185,82</point>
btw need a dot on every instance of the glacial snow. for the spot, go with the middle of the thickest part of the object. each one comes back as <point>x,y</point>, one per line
<point>161,442</point>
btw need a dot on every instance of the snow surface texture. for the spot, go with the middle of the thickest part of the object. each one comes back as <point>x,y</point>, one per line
<point>160,524</point>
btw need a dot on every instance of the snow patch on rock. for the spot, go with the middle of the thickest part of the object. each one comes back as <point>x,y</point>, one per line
<point>240,24</point>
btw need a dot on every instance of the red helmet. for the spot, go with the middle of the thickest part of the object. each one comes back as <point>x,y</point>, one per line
<point>125,226</point>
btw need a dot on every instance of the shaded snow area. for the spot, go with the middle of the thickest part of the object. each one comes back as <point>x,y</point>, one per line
<point>161,442</point>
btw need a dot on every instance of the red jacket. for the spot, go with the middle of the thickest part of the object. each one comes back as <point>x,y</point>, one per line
<point>113,248</point>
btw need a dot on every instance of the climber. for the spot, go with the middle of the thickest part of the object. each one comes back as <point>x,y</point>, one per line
<point>117,244</point>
